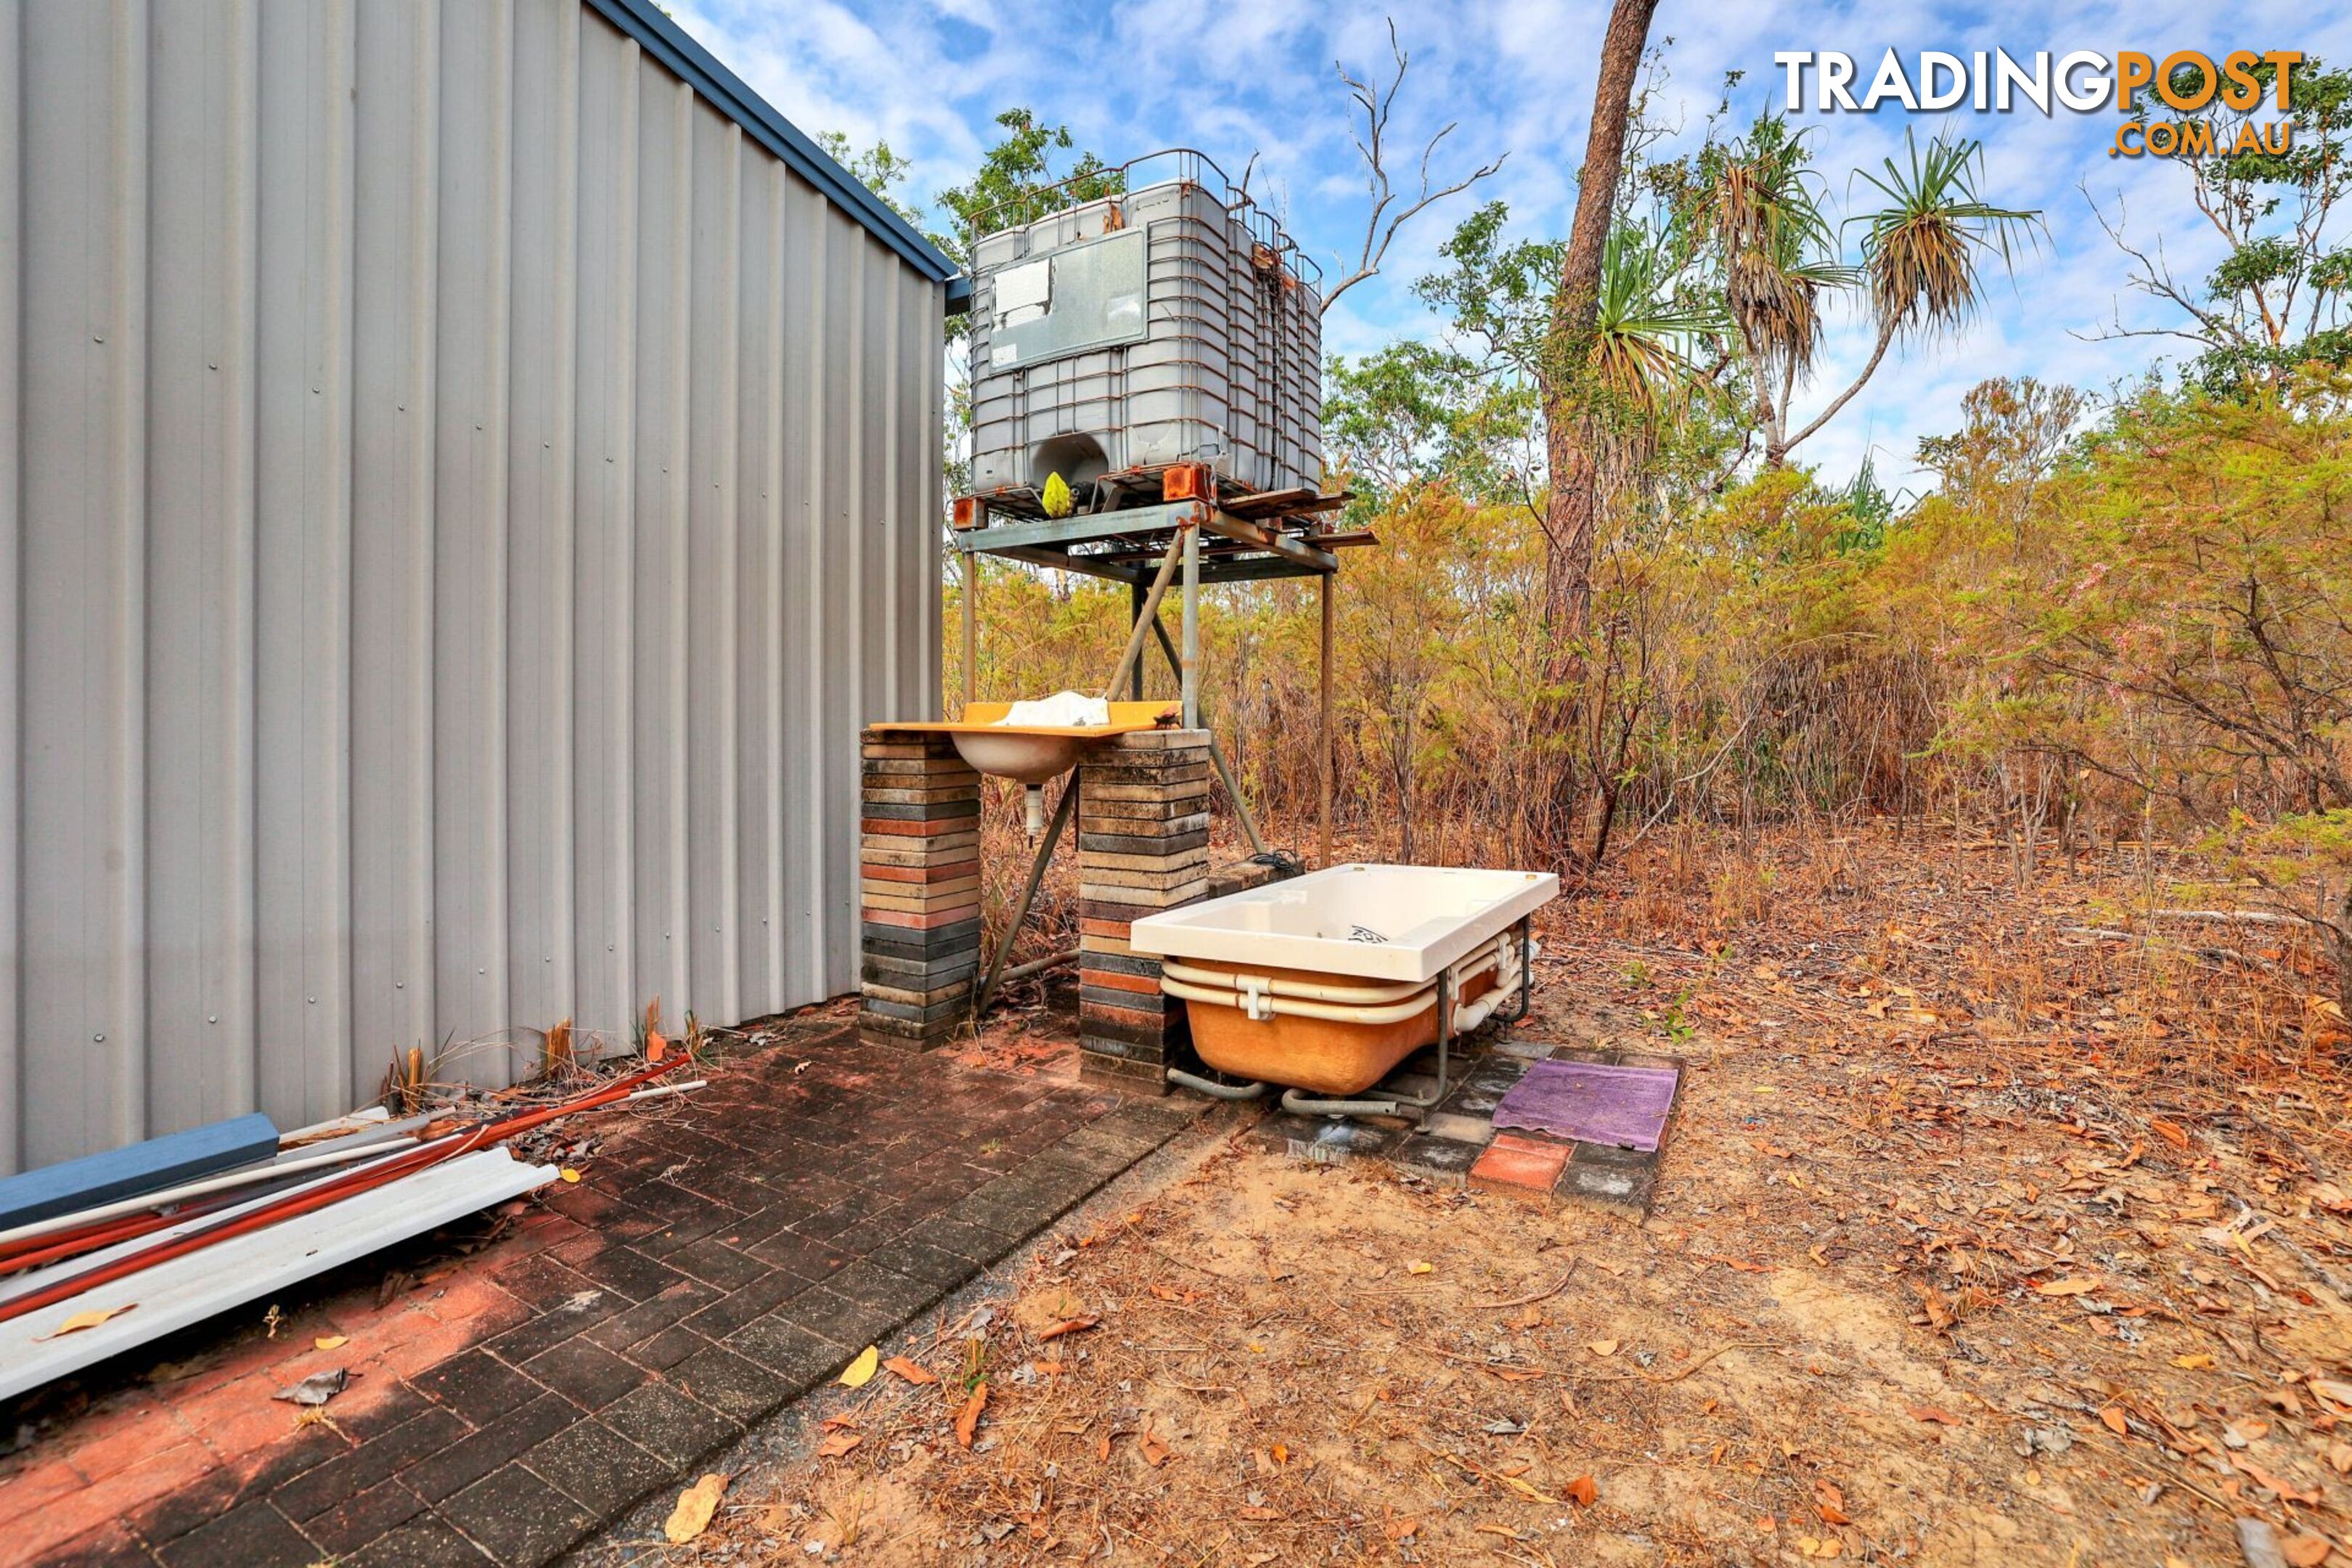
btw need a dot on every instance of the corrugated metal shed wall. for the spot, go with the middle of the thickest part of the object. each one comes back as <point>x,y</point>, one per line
<point>459,498</point>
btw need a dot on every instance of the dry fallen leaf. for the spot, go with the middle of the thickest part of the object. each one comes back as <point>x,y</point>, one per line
<point>2080,1285</point>
<point>1603,1347</point>
<point>1830,1503</point>
<point>1070,1326</point>
<point>967,1418</point>
<point>316,1389</point>
<point>2200,1362</point>
<point>837,1445</point>
<point>860,1372</point>
<point>2113,1416</point>
<point>1929,1412</point>
<point>2171,1132</point>
<point>913,1372</point>
<point>1155,1452</point>
<point>2327,1388</point>
<point>1420,1268</point>
<point>89,1319</point>
<point>2307,1551</point>
<point>695,1506</point>
<point>1582,1490</point>
<point>330,1341</point>
<point>568,1175</point>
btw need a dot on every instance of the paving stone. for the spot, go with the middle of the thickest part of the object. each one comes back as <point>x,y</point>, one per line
<point>670,1425</point>
<point>798,1356</point>
<point>624,1271</point>
<point>667,1348</point>
<point>870,1284</point>
<point>470,1459</point>
<point>805,1256</point>
<point>1519,1166</point>
<point>477,1385</point>
<point>588,1374</point>
<point>517,1517</point>
<point>549,1328</point>
<point>732,1385</point>
<point>110,1545</point>
<point>199,1502</point>
<point>363,1517</point>
<point>829,1191</point>
<point>1443,1161</point>
<point>738,1308</point>
<point>951,1233</point>
<point>836,1318</point>
<point>1483,1087</point>
<point>922,1261</point>
<point>1338,1142</point>
<point>598,1468</point>
<point>1285,1134</point>
<point>427,1542</point>
<point>1458,1128</point>
<point>1625,1180</point>
<point>251,1535</point>
<point>646,1319</point>
<point>345,1476</point>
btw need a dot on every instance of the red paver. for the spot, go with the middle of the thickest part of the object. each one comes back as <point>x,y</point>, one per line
<point>665,1291</point>
<point>1519,1166</point>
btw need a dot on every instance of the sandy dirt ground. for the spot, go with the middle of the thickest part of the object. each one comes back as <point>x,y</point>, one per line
<point>1992,1230</point>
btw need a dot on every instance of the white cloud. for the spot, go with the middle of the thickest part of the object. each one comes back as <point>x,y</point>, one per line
<point>1517,75</point>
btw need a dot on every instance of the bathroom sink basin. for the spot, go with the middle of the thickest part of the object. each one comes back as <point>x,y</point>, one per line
<point>1031,753</point>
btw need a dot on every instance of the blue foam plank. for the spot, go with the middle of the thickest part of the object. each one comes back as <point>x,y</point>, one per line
<point>147,1167</point>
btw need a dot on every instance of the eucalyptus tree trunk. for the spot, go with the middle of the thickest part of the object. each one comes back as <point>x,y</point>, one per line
<point>1571,513</point>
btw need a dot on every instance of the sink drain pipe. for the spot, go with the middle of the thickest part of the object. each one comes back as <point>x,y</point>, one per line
<point>1211,1087</point>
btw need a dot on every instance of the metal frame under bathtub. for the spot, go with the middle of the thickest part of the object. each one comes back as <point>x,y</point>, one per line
<point>1300,1103</point>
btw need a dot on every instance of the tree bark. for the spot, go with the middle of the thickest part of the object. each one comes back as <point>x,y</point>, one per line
<point>1573,510</point>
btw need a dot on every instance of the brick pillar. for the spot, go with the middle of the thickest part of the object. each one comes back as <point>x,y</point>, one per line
<point>918,886</point>
<point>1143,846</point>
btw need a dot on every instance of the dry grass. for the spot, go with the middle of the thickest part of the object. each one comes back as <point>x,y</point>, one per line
<point>1976,1244</point>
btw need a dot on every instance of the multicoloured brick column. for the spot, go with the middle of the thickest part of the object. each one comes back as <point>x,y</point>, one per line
<point>1143,846</point>
<point>918,886</point>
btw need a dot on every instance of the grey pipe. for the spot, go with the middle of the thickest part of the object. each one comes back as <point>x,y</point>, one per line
<point>1028,896</point>
<point>1298,1103</point>
<point>1214,1089</point>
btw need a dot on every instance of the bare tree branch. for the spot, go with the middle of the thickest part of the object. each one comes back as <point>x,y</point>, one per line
<point>1377,104</point>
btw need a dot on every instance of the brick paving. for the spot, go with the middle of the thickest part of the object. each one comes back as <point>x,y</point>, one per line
<point>1456,1143</point>
<point>713,1264</point>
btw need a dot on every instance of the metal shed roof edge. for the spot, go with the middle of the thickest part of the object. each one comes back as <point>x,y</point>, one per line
<point>670,44</point>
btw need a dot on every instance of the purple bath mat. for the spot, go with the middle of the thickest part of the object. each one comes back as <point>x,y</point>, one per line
<point>1591,1104</point>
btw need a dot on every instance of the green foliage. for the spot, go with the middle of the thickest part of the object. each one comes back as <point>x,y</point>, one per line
<point>1017,182</point>
<point>1920,250</point>
<point>1416,414</point>
<point>2281,298</point>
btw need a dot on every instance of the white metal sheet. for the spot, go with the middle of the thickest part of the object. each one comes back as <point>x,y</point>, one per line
<point>187,1289</point>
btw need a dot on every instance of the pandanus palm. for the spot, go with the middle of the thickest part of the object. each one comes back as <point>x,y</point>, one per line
<point>1642,326</point>
<point>1778,254</point>
<point>1923,248</point>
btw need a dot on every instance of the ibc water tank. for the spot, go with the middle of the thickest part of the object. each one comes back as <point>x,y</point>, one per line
<point>1158,326</point>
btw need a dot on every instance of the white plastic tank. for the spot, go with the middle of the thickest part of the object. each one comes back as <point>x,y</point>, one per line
<point>1163,325</point>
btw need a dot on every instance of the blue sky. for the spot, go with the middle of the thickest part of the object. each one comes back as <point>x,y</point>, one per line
<point>1516,76</point>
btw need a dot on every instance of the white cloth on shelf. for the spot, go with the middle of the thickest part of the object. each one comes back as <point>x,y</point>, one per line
<point>1063,710</point>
